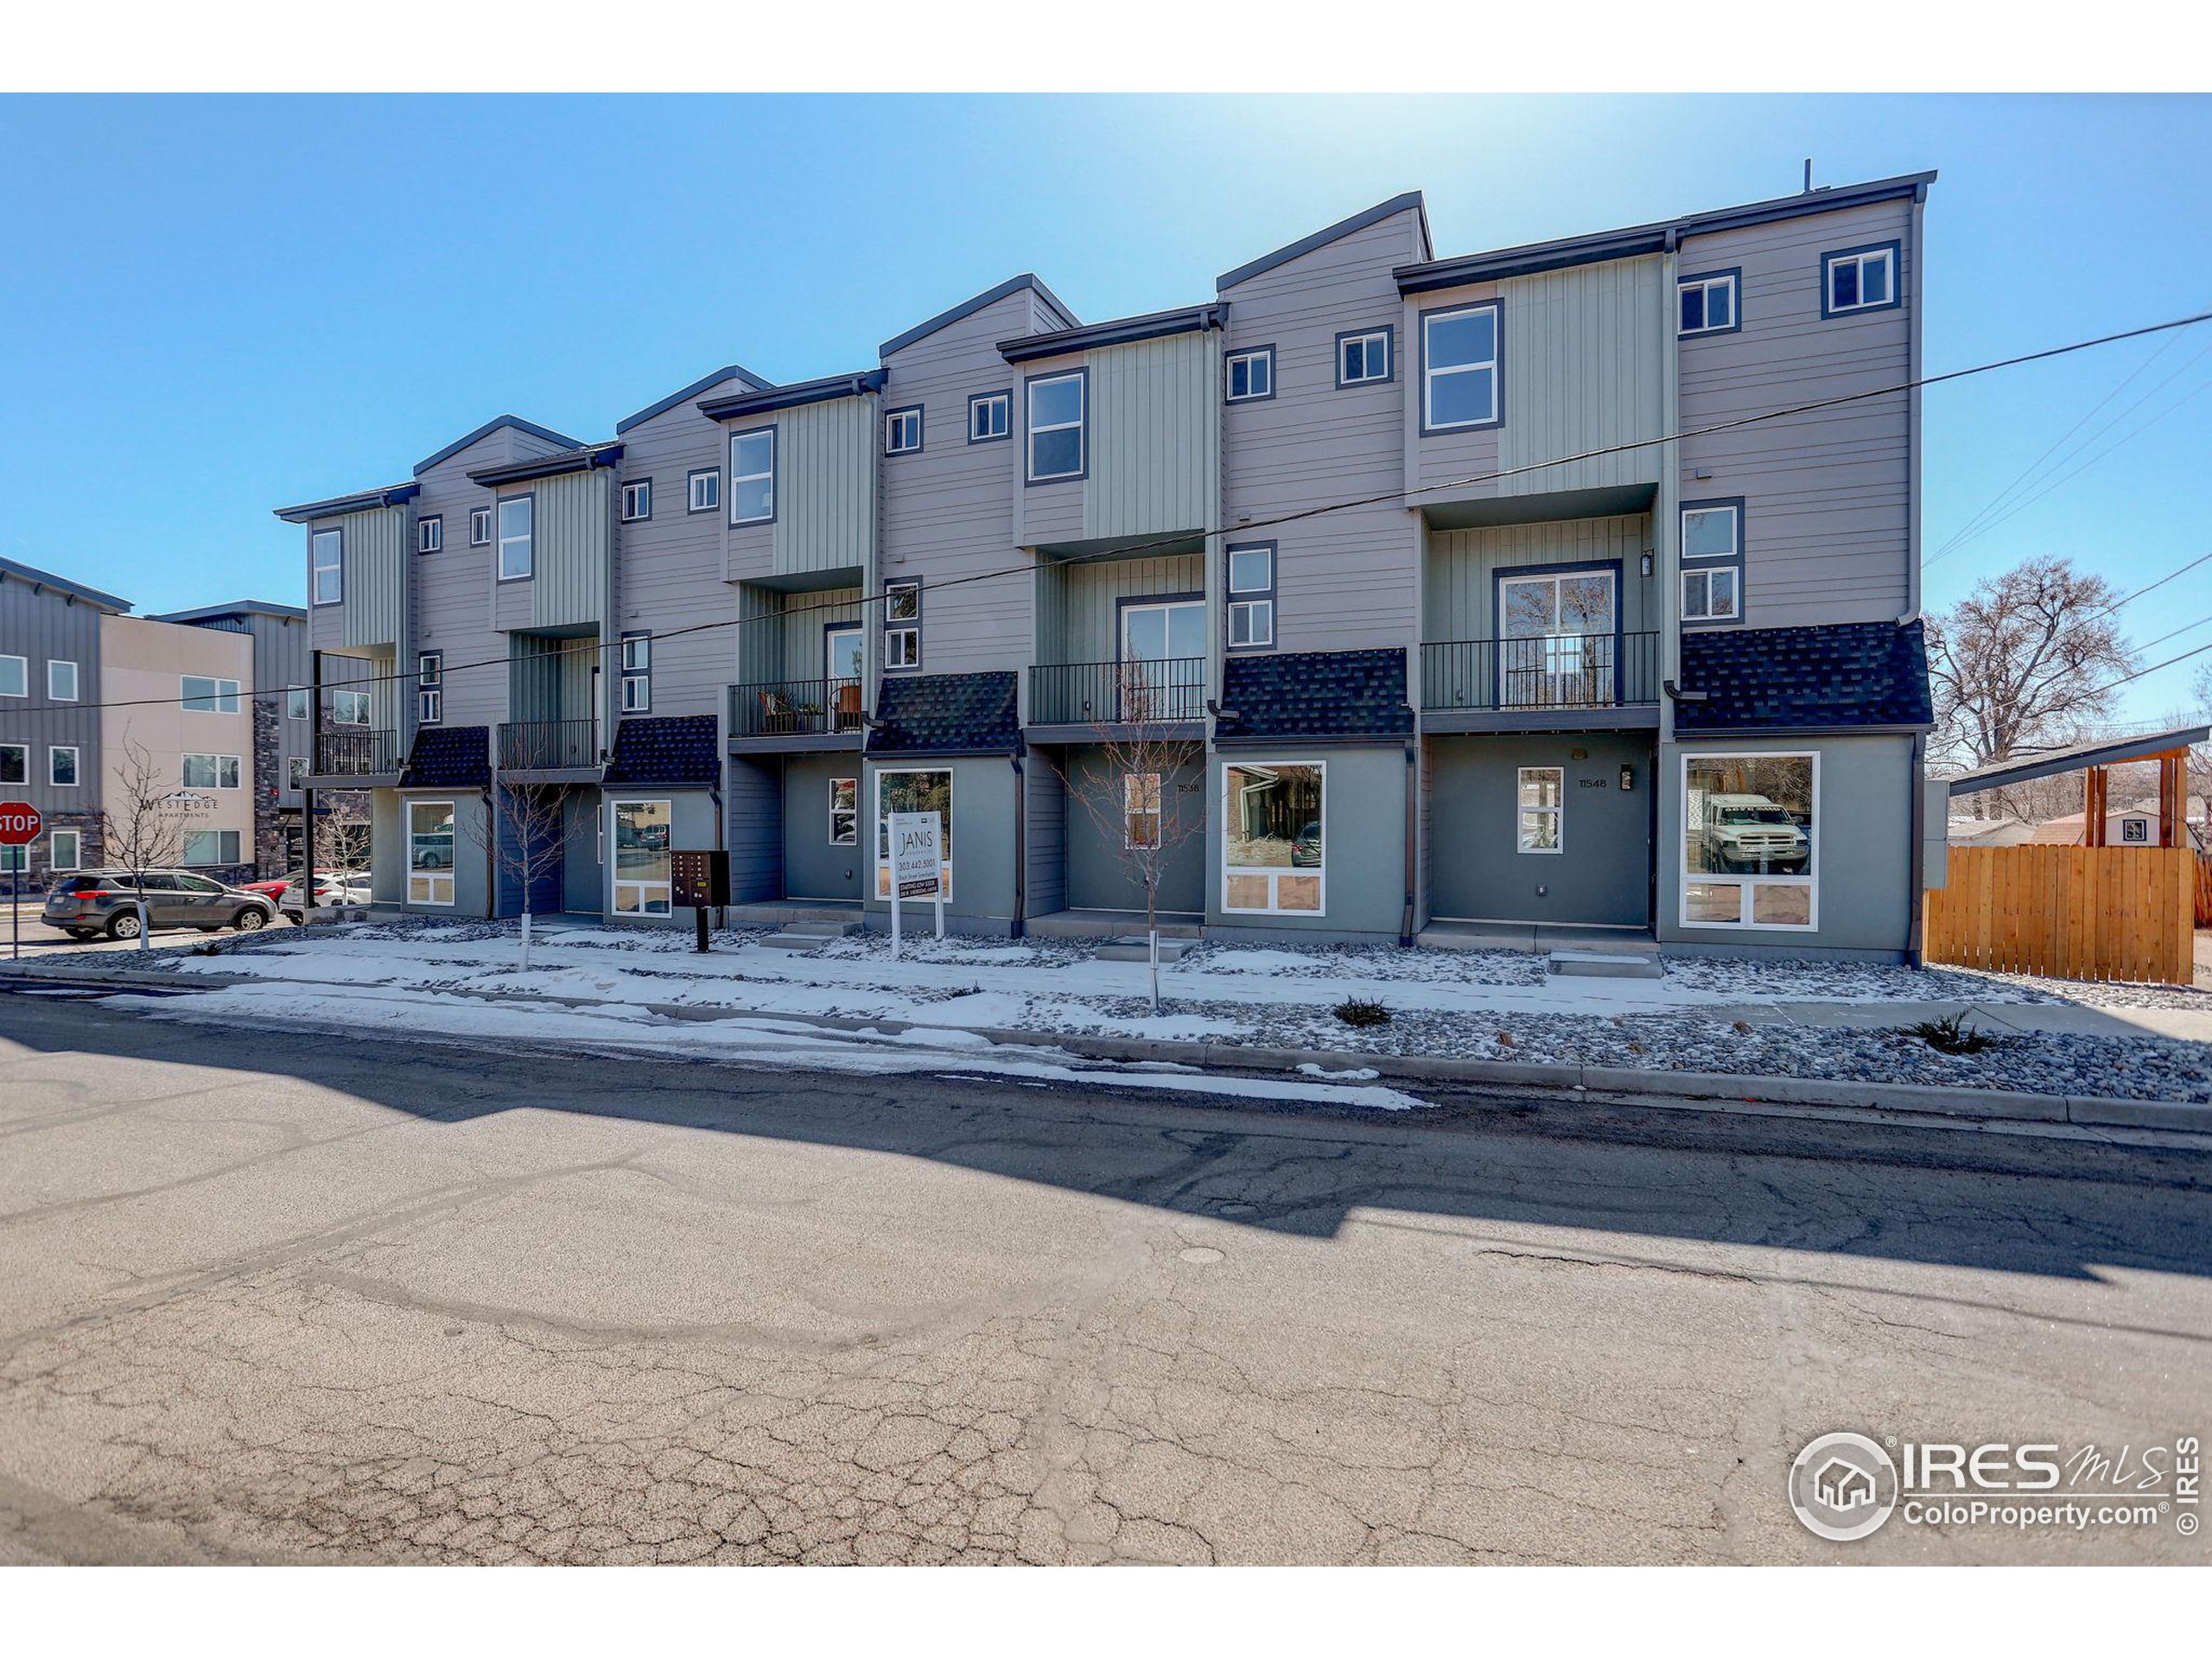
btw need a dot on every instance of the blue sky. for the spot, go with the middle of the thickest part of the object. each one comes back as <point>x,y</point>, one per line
<point>216,305</point>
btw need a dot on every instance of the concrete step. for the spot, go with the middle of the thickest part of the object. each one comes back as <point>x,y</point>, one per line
<point>838,929</point>
<point>1607,964</point>
<point>803,945</point>
<point>1139,949</point>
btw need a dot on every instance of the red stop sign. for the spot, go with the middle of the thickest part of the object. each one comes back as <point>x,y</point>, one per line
<point>19,823</point>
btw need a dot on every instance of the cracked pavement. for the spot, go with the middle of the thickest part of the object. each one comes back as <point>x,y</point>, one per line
<point>283,1298</point>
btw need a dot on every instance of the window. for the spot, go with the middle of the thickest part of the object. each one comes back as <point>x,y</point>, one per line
<point>902,431</point>
<point>429,852</point>
<point>61,680</point>
<point>1364,358</point>
<point>295,772</point>
<point>1140,808</point>
<point>842,654</point>
<point>1860,279</point>
<point>902,624</point>
<point>752,477</point>
<point>1711,594</point>
<point>15,676</point>
<point>1056,440</point>
<point>1252,596</point>
<point>1707,304</point>
<point>637,673</point>
<point>64,850</point>
<point>211,771</point>
<point>430,533</point>
<point>1751,857</point>
<point>430,688</point>
<point>1555,631</point>
<point>1460,368</point>
<point>912,791</point>
<point>15,763</point>
<point>203,696</point>
<point>1543,797</point>
<point>638,501</point>
<point>327,566</point>
<point>990,416</point>
<point>1250,376</point>
<point>296,702</point>
<point>1162,663</point>
<point>643,836</point>
<point>518,520</point>
<point>704,489</point>
<point>61,765</point>
<point>15,861</point>
<point>349,707</point>
<point>1273,821</point>
<point>480,527</point>
<point>845,812</point>
<point>1712,561</point>
<point>211,846</point>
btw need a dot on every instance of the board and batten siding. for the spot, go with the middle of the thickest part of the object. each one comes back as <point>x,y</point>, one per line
<point>549,679</point>
<point>1828,495</point>
<point>1459,583</point>
<point>1154,438</point>
<point>569,538</point>
<point>1349,579</point>
<point>806,617</point>
<point>43,626</point>
<point>1079,604</point>
<point>826,487</point>
<point>374,551</point>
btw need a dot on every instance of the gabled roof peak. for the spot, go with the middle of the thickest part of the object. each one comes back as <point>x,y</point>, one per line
<point>547,433</point>
<point>968,307</point>
<point>704,383</point>
<point>1382,210</point>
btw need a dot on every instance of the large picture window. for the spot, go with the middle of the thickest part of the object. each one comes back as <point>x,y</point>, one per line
<point>429,852</point>
<point>912,791</point>
<point>643,832</point>
<point>1751,853</point>
<point>1274,819</point>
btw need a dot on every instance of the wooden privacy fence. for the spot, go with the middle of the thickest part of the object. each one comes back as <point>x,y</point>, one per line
<point>2069,913</point>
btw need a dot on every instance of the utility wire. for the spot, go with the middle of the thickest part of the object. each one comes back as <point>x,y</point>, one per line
<point>1030,567</point>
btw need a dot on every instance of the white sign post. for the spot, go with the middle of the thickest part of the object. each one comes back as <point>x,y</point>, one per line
<point>917,865</point>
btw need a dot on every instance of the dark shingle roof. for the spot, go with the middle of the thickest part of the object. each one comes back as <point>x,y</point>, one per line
<point>1787,679</point>
<point>947,713</point>
<point>449,757</point>
<point>1314,694</point>
<point>670,749</point>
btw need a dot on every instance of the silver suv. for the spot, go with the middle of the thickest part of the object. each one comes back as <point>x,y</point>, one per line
<point>93,902</point>
<point>1749,832</point>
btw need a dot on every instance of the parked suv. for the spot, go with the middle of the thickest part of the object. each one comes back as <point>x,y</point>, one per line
<point>1749,832</point>
<point>93,902</point>
<point>335,887</point>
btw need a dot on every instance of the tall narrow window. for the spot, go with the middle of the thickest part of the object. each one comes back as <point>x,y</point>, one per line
<point>902,431</point>
<point>990,416</point>
<point>480,527</point>
<point>752,477</point>
<point>902,624</point>
<point>326,562</point>
<point>61,680</point>
<point>296,702</point>
<point>637,673</point>
<point>430,533</point>
<point>61,765</point>
<point>642,865</point>
<point>1248,376</point>
<point>845,812</point>
<point>1542,797</point>
<point>1460,367</point>
<point>912,791</point>
<point>430,688</point>
<point>1364,358</point>
<point>518,525</point>
<point>1139,809</point>
<point>15,763</point>
<point>636,501</point>
<point>64,850</point>
<point>1712,561</point>
<point>1056,431</point>
<point>1708,304</point>
<point>15,676</point>
<point>1252,597</point>
<point>429,852</point>
<point>705,490</point>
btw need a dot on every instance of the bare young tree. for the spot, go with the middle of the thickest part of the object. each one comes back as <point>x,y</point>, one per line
<point>2023,662</point>
<point>341,841</point>
<point>1131,795</point>
<point>521,830</point>
<point>143,818</point>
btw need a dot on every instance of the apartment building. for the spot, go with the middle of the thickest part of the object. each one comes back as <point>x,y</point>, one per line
<point>1510,590</point>
<point>95,703</point>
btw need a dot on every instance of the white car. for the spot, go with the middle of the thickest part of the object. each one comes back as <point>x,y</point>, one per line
<point>1749,832</point>
<point>334,887</point>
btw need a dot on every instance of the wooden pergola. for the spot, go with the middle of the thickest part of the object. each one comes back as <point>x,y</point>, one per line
<point>2095,762</point>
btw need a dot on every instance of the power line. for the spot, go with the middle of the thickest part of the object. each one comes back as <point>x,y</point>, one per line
<point>2201,558</point>
<point>1179,540</point>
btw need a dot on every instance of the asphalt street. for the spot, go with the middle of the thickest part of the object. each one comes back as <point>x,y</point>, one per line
<point>284,1297</point>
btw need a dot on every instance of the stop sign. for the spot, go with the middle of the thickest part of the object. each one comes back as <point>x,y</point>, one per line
<point>19,823</point>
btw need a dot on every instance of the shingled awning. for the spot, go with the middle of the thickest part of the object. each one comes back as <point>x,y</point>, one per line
<point>947,713</point>
<point>674,749</point>
<point>449,757</point>
<point>1335,695</point>
<point>1833,677</point>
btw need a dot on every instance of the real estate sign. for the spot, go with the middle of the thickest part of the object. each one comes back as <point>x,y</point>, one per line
<point>917,863</point>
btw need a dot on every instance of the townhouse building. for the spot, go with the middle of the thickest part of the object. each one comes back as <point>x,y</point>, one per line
<point>1562,589</point>
<point>96,702</point>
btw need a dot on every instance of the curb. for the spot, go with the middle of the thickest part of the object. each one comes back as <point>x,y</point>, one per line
<point>1717,1090</point>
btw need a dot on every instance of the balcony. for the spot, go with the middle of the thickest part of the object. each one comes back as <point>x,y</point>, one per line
<point>1542,679</point>
<point>1142,692</point>
<point>548,746</point>
<point>797,708</point>
<point>356,751</point>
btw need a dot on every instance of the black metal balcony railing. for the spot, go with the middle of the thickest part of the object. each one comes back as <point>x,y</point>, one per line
<point>356,751</point>
<point>548,745</point>
<point>795,709</point>
<point>1556,671</point>
<point>1118,694</point>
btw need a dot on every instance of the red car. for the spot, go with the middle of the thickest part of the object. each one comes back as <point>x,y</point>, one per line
<point>272,891</point>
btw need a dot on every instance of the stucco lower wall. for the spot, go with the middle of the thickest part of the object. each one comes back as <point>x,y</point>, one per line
<point>1102,873</point>
<point>984,831</point>
<point>814,866</point>
<point>472,891</point>
<point>1601,876</point>
<point>1366,884</point>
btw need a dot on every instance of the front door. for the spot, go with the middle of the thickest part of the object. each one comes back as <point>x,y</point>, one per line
<point>1555,639</point>
<point>1163,660</point>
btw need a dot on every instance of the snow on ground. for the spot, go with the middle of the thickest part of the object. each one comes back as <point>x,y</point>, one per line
<point>1706,1014</point>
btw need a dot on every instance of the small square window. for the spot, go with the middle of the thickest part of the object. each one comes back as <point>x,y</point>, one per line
<point>705,491</point>
<point>1250,375</point>
<point>638,501</point>
<point>1708,304</point>
<point>1364,359</point>
<point>61,680</point>
<point>902,601</point>
<point>429,534</point>
<point>1712,532</point>
<point>990,416</point>
<point>61,767</point>
<point>902,431</point>
<point>430,668</point>
<point>1711,594</point>
<point>1860,279</point>
<point>296,702</point>
<point>480,527</point>
<point>15,676</point>
<point>902,648</point>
